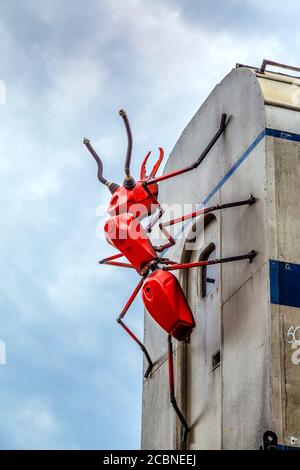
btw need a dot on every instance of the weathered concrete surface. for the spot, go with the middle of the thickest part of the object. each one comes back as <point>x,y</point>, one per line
<point>204,407</point>
<point>256,386</point>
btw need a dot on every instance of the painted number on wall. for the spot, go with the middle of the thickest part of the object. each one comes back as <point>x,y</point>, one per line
<point>293,338</point>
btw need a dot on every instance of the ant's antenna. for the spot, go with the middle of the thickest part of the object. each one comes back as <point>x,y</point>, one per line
<point>129,182</point>
<point>111,186</point>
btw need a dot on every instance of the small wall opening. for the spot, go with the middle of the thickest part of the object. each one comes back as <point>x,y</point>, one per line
<point>216,360</point>
<point>208,273</point>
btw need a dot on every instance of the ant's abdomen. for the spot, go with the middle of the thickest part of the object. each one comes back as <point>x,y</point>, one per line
<point>165,301</point>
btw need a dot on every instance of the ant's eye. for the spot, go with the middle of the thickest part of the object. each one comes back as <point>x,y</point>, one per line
<point>114,200</point>
<point>109,225</point>
<point>148,293</point>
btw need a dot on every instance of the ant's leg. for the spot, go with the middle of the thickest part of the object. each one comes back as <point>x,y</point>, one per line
<point>250,256</point>
<point>219,132</point>
<point>251,200</point>
<point>157,204</point>
<point>170,242</point>
<point>167,261</point>
<point>119,320</point>
<point>155,220</point>
<point>172,391</point>
<point>110,261</point>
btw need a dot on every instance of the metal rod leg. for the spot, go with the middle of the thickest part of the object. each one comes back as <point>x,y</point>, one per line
<point>172,392</point>
<point>251,255</point>
<point>111,262</point>
<point>141,345</point>
<point>199,160</point>
<point>131,334</point>
<point>206,210</point>
<point>170,242</point>
<point>156,204</point>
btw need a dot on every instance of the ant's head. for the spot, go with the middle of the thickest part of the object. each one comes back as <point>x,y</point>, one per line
<point>129,182</point>
<point>123,192</point>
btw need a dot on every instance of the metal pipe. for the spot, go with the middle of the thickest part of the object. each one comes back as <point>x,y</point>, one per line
<point>266,62</point>
<point>172,391</point>
<point>128,330</point>
<point>111,186</point>
<point>251,255</point>
<point>206,210</point>
<point>200,159</point>
<point>129,182</point>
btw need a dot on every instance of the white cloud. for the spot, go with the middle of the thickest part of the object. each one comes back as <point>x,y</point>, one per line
<point>47,11</point>
<point>38,417</point>
<point>45,186</point>
<point>149,56</point>
<point>33,424</point>
<point>72,283</point>
<point>178,58</point>
<point>76,81</point>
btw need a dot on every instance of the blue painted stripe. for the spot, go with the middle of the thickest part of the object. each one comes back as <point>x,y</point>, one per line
<point>284,283</point>
<point>284,447</point>
<point>282,135</point>
<point>235,166</point>
<point>224,179</point>
<point>274,281</point>
<point>265,132</point>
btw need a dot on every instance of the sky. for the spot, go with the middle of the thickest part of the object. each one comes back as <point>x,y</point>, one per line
<point>72,378</point>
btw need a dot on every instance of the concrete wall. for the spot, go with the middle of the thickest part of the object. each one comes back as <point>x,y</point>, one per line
<point>256,386</point>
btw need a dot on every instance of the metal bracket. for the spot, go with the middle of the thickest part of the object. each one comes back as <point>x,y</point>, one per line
<point>266,62</point>
<point>270,441</point>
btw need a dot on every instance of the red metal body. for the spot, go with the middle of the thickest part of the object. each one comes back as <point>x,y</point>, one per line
<point>136,201</point>
<point>165,301</point>
<point>162,294</point>
<point>125,233</point>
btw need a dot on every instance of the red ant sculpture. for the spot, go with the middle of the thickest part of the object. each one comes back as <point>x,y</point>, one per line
<point>161,292</point>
